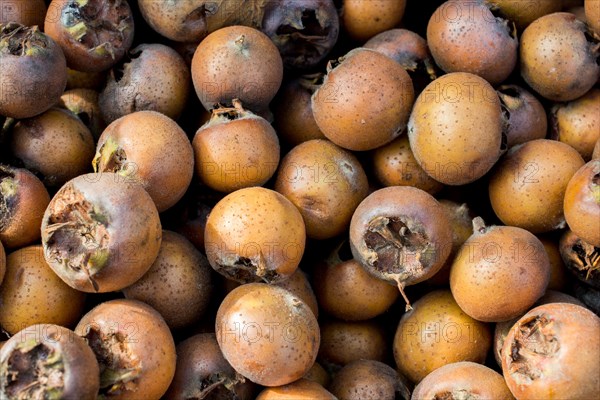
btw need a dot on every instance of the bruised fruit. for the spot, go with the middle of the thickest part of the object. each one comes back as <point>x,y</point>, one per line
<point>527,187</point>
<point>255,234</point>
<point>302,389</point>
<point>134,349</point>
<point>23,200</point>
<point>558,58</point>
<point>456,128</point>
<point>400,234</point>
<point>32,293</point>
<point>202,372</point>
<point>48,362</point>
<point>582,203</point>
<point>581,258</point>
<point>437,332</point>
<point>326,184</point>
<point>499,272</point>
<point>55,144</point>
<point>365,19</point>
<point>526,115</point>
<point>267,334</point>
<point>93,34</point>
<point>237,62</point>
<point>553,351</point>
<point>462,380</point>
<point>364,101</point>
<point>34,71</point>
<point>369,380</point>
<point>101,233</point>
<point>178,284</point>
<point>149,148</point>
<point>235,149</point>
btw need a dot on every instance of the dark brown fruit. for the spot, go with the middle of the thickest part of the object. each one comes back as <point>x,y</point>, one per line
<point>23,200</point>
<point>34,71</point>
<point>553,351</point>
<point>302,389</point>
<point>267,334</point>
<point>400,234</point>
<point>134,349</point>
<point>369,380</point>
<point>94,34</point>
<point>48,362</point>
<point>365,19</point>
<point>101,233</point>
<point>582,203</point>
<point>526,115</point>
<point>581,258</point>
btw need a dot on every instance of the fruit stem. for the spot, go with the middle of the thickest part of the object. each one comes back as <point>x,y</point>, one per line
<point>401,288</point>
<point>479,225</point>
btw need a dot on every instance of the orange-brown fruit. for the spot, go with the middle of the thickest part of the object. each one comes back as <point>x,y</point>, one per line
<point>596,153</point>
<point>592,14</point>
<point>326,183</point>
<point>558,272</point>
<point>581,258</point>
<point>302,389</point>
<point>582,203</point>
<point>365,19</point>
<point>527,187</point>
<point>85,80</point>
<point>318,374</point>
<point>25,12</point>
<point>364,101</point>
<point>526,115</point>
<point>523,13</point>
<point>84,104</point>
<point>299,286</point>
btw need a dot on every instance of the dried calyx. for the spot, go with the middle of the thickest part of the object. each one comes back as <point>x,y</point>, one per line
<point>218,385</point>
<point>110,158</point>
<point>32,370</point>
<point>247,270</point>
<point>458,394</point>
<point>581,258</point>
<point>19,40</point>
<point>224,113</point>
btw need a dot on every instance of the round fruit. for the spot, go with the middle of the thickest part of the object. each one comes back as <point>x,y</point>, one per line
<point>592,14</point>
<point>179,21</point>
<point>523,13</point>
<point>582,203</point>
<point>299,286</point>
<point>84,104</point>
<point>302,389</point>
<point>558,271</point>
<point>267,334</point>
<point>101,233</point>
<point>526,115</point>
<point>365,19</point>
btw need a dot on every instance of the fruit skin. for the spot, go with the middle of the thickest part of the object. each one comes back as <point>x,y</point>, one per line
<point>178,21</point>
<point>524,13</point>
<point>455,128</point>
<point>84,104</point>
<point>557,60</point>
<point>499,272</point>
<point>101,233</point>
<point>464,36</point>
<point>221,56</point>
<point>2,263</point>
<point>364,19</point>
<point>364,101</point>
<point>527,118</point>
<point>582,203</point>
<point>553,352</point>
<point>527,187</point>
<point>465,379</point>
<point>25,12</point>
<point>62,350</point>
<point>437,332</point>
<point>32,79</point>
<point>134,348</point>
<point>592,14</point>
<point>252,325</point>
<point>302,389</point>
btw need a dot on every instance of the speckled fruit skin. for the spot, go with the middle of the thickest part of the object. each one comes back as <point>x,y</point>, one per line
<point>179,21</point>
<point>557,344</point>
<point>32,293</point>
<point>464,36</point>
<point>364,101</point>
<point>149,148</point>
<point>455,128</point>
<point>522,13</point>
<point>132,333</point>
<point>267,334</point>
<point>437,332</point>
<point>557,60</point>
<point>462,380</point>
<point>299,286</point>
<point>255,234</point>
<point>582,203</point>
<point>364,19</point>
<point>592,14</point>
<point>302,389</point>
<point>326,184</point>
<point>345,341</point>
<point>80,377</point>
<point>237,62</point>
<point>499,272</point>
<point>528,185</point>
<point>368,380</point>
<point>527,119</point>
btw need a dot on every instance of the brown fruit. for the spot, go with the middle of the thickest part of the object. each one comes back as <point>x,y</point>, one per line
<point>596,153</point>
<point>558,271</point>
<point>582,203</point>
<point>178,21</point>
<point>326,184</point>
<point>592,14</point>
<point>499,272</point>
<point>369,380</point>
<point>32,293</point>
<point>267,334</point>
<point>85,80</point>
<point>400,234</point>
<point>299,286</point>
<point>23,200</point>
<point>364,101</point>
<point>523,13</point>
<point>365,19</point>
<point>149,148</point>
<point>456,128</point>
<point>581,258</point>
<point>302,389</point>
<point>24,12</point>
<point>553,351</point>
<point>101,233</point>
<point>255,234</point>
<point>526,115</point>
<point>84,104</point>
<point>2,263</point>
<point>134,349</point>
<point>48,362</point>
<point>528,185</point>
<point>317,374</point>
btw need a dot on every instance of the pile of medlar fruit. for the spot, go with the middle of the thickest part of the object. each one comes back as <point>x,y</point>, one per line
<point>299,199</point>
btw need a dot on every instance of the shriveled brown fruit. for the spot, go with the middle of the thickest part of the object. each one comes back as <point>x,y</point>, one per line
<point>32,293</point>
<point>23,200</point>
<point>101,233</point>
<point>149,148</point>
<point>553,351</point>
<point>526,115</point>
<point>364,19</point>
<point>302,389</point>
<point>369,380</point>
<point>25,12</point>
<point>84,104</point>
<point>582,203</point>
<point>48,361</point>
<point>581,258</point>
<point>134,348</point>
